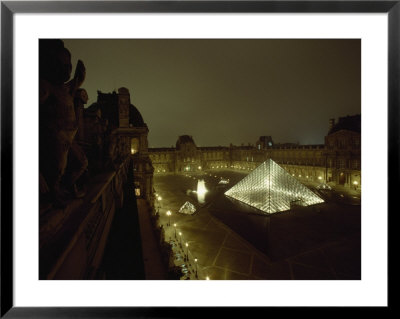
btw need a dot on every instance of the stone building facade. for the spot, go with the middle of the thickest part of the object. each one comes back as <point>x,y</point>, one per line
<point>343,151</point>
<point>338,160</point>
<point>117,131</point>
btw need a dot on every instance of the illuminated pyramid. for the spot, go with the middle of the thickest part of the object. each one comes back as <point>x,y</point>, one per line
<point>187,208</point>
<point>271,189</point>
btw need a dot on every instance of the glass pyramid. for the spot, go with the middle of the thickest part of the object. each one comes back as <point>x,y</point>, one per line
<point>187,208</point>
<point>271,189</point>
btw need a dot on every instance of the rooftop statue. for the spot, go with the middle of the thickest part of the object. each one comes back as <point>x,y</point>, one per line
<point>58,150</point>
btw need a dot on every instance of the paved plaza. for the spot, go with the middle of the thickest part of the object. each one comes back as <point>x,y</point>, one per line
<point>231,241</point>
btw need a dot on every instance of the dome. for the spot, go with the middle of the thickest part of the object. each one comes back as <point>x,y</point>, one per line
<point>123,90</point>
<point>184,139</point>
<point>135,118</point>
<point>349,123</point>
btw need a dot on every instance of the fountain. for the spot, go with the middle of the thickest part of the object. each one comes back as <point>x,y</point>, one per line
<point>201,191</point>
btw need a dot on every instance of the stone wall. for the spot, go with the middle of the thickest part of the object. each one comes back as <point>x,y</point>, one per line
<point>72,240</point>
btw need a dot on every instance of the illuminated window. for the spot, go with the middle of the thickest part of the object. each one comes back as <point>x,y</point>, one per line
<point>137,191</point>
<point>134,145</point>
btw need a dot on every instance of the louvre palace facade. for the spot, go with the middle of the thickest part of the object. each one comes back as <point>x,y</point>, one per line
<point>337,161</point>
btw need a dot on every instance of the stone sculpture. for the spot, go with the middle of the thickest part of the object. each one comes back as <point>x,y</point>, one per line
<point>58,151</point>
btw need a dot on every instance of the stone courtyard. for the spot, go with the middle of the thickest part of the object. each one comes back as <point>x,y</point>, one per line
<point>232,241</point>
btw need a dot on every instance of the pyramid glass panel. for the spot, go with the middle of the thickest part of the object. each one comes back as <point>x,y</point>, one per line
<point>271,189</point>
<point>187,208</point>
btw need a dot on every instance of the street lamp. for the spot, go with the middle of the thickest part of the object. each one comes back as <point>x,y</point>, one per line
<point>187,251</point>
<point>159,204</point>
<point>175,230</point>
<point>180,236</point>
<point>169,218</point>
<point>195,261</point>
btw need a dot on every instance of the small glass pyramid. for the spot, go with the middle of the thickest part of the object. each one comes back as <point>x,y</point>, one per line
<point>187,208</point>
<point>271,189</point>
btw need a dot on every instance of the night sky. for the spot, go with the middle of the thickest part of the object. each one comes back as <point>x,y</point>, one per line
<point>228,91</point>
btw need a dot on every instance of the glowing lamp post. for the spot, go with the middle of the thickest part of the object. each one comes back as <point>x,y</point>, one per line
<point>187,251</point>
<point>159,204</point>
<point>180,238</point>
<point>169,218</point>
<point>355,183</point>
<point>195,261</point>
<point>175,230</point>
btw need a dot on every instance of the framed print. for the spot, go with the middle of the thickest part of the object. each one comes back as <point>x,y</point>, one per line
<point>196,156</point>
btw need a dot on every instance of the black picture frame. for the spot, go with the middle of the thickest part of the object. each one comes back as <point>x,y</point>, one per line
<point>9,8</point>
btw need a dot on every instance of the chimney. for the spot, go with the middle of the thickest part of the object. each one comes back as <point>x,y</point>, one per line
<point>331,123</point>
<point>123,106</point>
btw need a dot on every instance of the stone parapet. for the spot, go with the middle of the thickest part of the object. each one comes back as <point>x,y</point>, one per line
<point>72,240</point>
